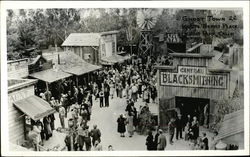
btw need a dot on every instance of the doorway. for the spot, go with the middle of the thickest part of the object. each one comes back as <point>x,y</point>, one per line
<point>193,107</point>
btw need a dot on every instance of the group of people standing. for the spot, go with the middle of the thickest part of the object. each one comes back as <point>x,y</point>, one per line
<point>41,130</point>
<point>157,142</point>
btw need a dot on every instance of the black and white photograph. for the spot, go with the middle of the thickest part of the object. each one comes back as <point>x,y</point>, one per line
<point>125,79</point>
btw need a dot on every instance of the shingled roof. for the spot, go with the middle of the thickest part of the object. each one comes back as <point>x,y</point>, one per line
<point>85,39</point>
<point>82,39</point>
<point>71,63</point>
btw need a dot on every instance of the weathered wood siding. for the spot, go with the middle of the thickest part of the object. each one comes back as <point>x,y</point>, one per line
<point>192,61</point>
<point>18,68</point>
<point>16,127</point>
<point>168,93</point>
<point>87,50</point>
<point>209,93</point>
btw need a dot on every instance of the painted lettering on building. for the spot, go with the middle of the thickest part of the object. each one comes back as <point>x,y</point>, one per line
<point>21,94</point>
<point>173,38</point>
<point>187,76</point>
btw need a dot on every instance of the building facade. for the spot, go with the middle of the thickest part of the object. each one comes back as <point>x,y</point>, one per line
<point>191,84</point>
<point>18,90</point>
<point>92,47</point>
<point>18,68</point>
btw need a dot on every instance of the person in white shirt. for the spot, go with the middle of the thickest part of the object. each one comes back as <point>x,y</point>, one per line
<point>134,92</point>
<point>62,116</point>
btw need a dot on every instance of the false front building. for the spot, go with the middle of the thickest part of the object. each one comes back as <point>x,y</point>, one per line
<point>199,85</point>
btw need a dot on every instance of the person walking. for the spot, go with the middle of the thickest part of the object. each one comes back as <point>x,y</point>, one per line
<point>52,123</point>
<point>80,136</point>
<point>112,89</point>
<point>101,95</point>
<point>87,138</point>
<point>47,127</point>
<point>134,92</point>
<point>121,125</point>
<point>62,116</point>
<point>162,142</point>
<point>120,89</point>
<point>156,139</point>
<point>171,128</point>
<point>106,94</point>
<point>150,141</point>
<point>130,126</point>
<point>95,134</point>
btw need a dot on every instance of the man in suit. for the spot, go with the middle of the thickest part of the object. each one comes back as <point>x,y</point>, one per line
<point>106,94</point>
<point>95,134</point>
<point>156,139</point>
<point>179,127</point>
<point>162,142</point>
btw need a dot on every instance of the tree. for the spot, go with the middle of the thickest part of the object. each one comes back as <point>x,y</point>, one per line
<point>60,23</point>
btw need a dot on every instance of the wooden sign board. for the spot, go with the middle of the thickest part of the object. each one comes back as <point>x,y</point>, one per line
<point>189,76</point>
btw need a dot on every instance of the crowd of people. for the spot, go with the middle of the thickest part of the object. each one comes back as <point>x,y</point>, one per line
<point>133,81</point>
<point>74,103</point>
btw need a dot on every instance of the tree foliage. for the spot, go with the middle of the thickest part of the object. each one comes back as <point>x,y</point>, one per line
<point>27,28</point>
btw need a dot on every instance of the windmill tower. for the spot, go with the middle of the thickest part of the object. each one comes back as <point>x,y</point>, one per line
<point>146,20</point>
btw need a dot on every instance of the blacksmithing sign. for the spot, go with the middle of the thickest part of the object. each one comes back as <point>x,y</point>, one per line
<point>189,76</point>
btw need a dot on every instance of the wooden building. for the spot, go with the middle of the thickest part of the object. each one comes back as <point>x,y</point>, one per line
<point>92,46</point>
<point>23,105</point>
<point>68,62</point>
<point>18,68</point>
<point>95,48</point>
<point>194,81</point>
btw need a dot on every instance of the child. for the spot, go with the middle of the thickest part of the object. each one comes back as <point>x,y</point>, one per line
<point>186,130</point>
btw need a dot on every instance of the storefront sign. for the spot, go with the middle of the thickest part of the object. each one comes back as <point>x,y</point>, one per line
<point>188,76</point>
<point>173,38</point>
<point>21,94</point>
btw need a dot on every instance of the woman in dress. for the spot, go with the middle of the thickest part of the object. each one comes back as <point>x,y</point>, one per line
<point>150,141</point>
<point>47,127</point>
<point>121,125</point>
<point>130,126</point>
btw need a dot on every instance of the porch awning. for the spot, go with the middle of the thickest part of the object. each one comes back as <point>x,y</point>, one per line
<point>35,107</point>
<point>113,59</point>
<point>82,69</point>
<point>50,75</point>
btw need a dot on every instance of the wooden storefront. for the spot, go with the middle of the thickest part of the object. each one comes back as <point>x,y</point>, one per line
<point>17,90</point>
<point>191,80</point>
<point>23,106</point>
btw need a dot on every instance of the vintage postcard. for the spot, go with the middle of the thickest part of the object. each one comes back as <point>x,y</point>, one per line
<point>145,78</point>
